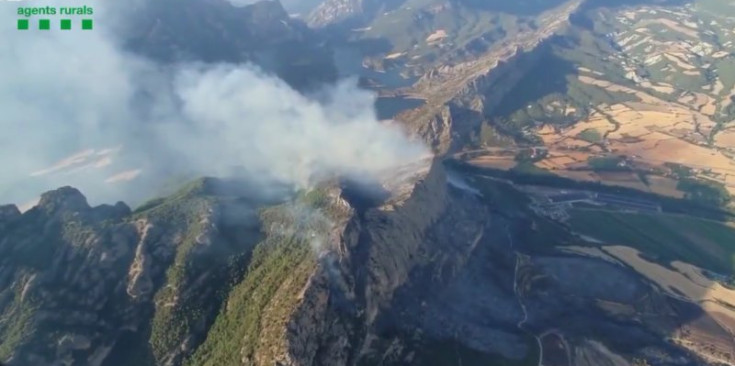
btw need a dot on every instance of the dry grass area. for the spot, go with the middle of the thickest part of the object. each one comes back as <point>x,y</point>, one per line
<point>584,69</point>
<point>672,118</point>
<point>700,102</point>
<point>650,131</point>
<point>437,36</point>
<point>720,54</point>
<point>395,55</point>
<point>622,179</point>
<point>727,100</point>
<point>664,186</point>
<point>497,162</point>
<point>718,87</point>
<point>678,60</point>
<point>659,87</point>
<point>709,335</point>
<point>678,27</point>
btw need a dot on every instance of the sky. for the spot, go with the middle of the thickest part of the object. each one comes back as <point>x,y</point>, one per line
<point>77,109</point>
<point>301,7</point>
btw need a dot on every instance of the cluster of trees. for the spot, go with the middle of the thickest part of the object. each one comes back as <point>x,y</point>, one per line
<point>705,192</point>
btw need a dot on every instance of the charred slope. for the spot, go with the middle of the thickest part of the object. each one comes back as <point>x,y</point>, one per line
<point>455,277</point>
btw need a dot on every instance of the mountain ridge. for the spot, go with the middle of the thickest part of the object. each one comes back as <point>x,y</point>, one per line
<point>462,265</point>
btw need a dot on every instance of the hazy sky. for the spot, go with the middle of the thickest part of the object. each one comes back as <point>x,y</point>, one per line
<point>76,92</point>
<point>293,6</point>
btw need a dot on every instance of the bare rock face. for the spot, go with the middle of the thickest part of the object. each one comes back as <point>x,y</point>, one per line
<point>462,95</point>
<point>63,199</point>
<point>139,277</point>
<point>349,12</point>
<point>334,11</point>
<point>9,212</point>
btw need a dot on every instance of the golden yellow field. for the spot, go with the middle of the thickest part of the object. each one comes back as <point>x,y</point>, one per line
<point>497,162</point>
<point>667,116</point>
<point>687,282</point>
<point>650,131</point>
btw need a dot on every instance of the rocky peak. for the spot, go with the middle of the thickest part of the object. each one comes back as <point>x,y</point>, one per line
<point>9,212</point>
<point>333,12</point>
<point>115,211</point>
<point>184,26</point>
<point>216,31</point>
<point>65,198</point>
<point>267,11</point>
<point>268,22</point>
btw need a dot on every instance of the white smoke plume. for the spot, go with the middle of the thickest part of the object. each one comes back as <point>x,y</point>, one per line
<point>115,117</point>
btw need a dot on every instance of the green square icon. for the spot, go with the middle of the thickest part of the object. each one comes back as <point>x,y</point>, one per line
<point>23,24</point>
<point>65,24</point>
<point>86,23</point>
<point>44,24</point>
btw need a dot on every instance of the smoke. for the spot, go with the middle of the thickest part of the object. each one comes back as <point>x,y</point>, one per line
<point>301,7</point>
<point>305,223</point>
<point>79,110</point>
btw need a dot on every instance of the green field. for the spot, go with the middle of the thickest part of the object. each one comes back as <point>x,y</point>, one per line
<point>590,135</point>
<point>704,243</point>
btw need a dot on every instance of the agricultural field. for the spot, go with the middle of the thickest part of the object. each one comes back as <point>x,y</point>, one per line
<point>687,258</point>
<point>653,87</point>
<point>706,244</point>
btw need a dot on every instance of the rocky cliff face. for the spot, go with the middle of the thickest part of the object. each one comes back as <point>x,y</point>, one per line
<point>349,12</point>
<point>330,12</point>
<point>102,285</point>
<point>460,96</point>
<point>155,286</point>
<point>454,276</point>
<point>447,273</point>
<point>44,277</point>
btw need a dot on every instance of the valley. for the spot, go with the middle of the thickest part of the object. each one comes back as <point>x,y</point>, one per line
<point>641,100</point>
<point>660,247</point>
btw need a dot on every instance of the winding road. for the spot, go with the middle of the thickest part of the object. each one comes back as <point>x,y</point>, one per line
<point>520,300</point>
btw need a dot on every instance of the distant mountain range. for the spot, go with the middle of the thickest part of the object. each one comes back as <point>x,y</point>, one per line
<point>217,31</point>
